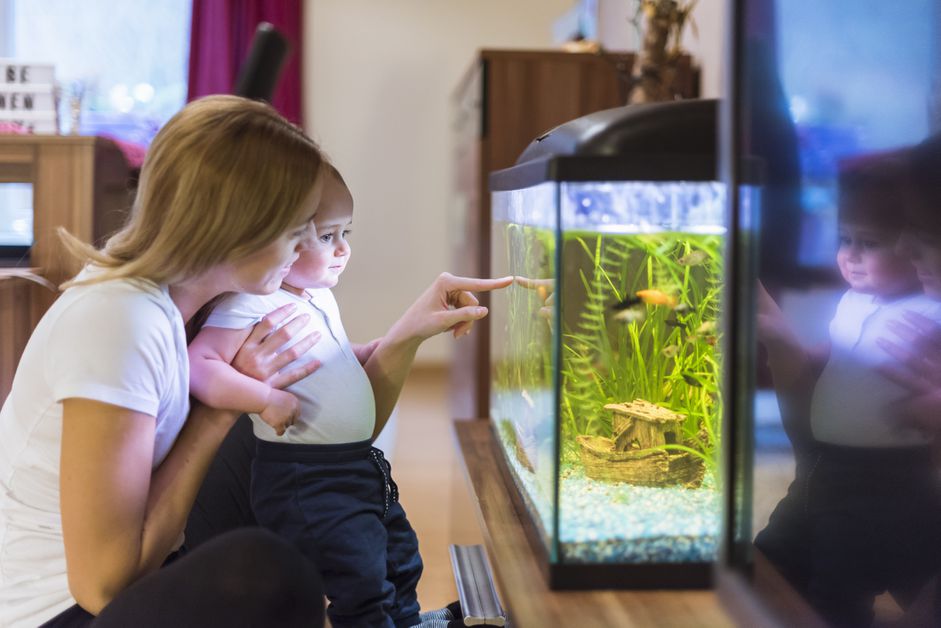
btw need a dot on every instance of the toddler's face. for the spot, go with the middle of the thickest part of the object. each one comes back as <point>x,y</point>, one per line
<point>869,262</point>
<point>325,257</point>
<point>924,251</point>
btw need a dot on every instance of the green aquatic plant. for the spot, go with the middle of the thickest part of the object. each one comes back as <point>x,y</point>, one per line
<point>665,353</point>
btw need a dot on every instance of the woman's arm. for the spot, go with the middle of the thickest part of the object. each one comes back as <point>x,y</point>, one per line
<point>447,305</point>
<point>120,520</point>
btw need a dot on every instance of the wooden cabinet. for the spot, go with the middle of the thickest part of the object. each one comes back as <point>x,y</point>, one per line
<point>507,98</point>
<point>80,183</point>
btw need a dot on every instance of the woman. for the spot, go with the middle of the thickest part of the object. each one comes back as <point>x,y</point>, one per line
<point>102,455</point>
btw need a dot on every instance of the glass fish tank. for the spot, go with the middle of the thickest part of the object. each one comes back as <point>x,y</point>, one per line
<point>606,350</point>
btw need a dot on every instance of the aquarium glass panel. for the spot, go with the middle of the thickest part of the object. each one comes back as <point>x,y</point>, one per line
<point>606,365</point>
<point>640,407</point>
<point>523,326</point>
<point>836,501</point>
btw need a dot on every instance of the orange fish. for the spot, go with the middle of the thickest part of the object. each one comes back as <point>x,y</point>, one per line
<point>656,297</point>
<point>543,293</point>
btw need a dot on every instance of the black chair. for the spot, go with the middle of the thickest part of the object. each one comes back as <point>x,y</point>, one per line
<point>259,74</point>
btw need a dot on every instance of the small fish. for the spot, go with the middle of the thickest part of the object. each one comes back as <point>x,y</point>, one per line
<point>709,340</point>
<point>706,328</point>
<point>626,303</point>
<point>529,400</point>
<point>693,258</point>
<point>673,323</point>
<point>670,351</point>
<point>656,297</point>
<point>681,307</point>
<point>631,315</point>
<point>692,381</point>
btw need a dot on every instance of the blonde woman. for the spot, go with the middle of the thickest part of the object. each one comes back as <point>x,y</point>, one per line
<point>101,452</point>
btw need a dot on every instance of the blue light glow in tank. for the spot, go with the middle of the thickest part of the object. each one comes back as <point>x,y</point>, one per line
<point>644,207</point>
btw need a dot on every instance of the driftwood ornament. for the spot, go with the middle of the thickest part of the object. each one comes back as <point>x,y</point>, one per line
<point>632,456</point>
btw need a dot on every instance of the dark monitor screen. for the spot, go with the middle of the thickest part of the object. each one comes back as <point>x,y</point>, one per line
<point>16,223</point>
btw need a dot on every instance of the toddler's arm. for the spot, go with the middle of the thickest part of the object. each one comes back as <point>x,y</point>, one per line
<point>788,359</point>
<point>215,382</point>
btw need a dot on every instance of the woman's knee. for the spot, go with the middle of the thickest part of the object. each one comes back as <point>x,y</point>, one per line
<point>269,575</point>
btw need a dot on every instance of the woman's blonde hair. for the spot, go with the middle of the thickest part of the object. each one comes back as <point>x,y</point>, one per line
<point>223,178</point>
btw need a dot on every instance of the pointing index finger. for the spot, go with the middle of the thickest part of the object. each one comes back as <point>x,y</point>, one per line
<point>479,285</point>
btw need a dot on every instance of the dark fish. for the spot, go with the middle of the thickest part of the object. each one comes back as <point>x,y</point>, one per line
<point>626,303</point>
<point>692,381</point>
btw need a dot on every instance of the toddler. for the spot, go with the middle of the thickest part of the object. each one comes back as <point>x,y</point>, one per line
<point>853,521</point>
<point>316,478</point>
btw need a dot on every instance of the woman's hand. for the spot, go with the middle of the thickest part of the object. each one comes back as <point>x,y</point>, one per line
<point>447,305</point>
<point>917,368</point>
<point>259,357</point>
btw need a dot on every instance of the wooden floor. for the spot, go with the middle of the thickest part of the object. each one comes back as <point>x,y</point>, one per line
<point>431,482</point>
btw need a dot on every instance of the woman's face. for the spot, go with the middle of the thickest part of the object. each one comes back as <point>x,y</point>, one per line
<point>924,250</point>
<point>263,271</point>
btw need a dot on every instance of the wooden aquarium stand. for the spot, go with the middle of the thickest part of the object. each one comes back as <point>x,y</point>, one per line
<point>519,574</point>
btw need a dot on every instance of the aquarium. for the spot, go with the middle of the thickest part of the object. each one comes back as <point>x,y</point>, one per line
<point>606,349</point>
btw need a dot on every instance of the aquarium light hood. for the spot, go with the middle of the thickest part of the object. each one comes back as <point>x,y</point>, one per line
<point>669,141</point>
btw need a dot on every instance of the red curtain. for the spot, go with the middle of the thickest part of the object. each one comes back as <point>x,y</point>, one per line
<point>221,35</point>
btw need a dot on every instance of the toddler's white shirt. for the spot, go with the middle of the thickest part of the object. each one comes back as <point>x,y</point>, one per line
<point>337,403</point>
<point>852,401</point>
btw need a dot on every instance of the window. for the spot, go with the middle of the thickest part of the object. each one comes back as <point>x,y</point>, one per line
<point>127,59</point>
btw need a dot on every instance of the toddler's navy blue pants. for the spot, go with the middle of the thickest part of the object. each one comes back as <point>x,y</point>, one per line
<point>339,505</point>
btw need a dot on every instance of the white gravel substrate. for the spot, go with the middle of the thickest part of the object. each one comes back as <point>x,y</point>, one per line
<point>603,522</point>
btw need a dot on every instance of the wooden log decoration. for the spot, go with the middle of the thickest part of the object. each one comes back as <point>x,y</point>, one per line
<point>642,425</point>
<point>630,457</point>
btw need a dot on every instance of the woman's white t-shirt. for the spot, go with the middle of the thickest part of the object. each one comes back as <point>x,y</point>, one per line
<point>120,342</point>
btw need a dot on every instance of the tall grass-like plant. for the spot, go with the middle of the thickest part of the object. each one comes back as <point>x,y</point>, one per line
<point>668,358</point>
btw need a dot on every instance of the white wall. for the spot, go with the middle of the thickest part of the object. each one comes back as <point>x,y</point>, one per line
<point>378,78</point>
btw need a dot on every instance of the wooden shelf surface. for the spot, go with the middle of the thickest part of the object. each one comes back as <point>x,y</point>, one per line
<point>519,578</point>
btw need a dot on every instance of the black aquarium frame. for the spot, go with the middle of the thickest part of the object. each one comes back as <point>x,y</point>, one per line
<point>658,142</point>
